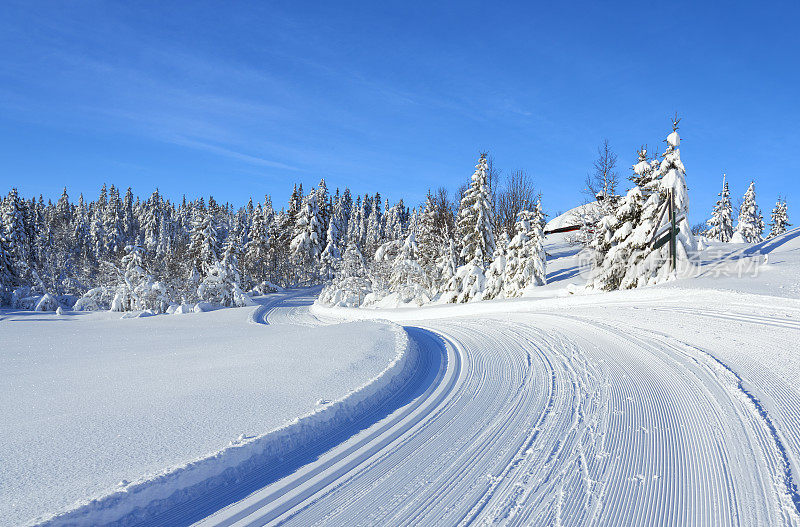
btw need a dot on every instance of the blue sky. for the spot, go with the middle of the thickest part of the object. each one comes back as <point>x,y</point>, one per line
<point>240,99</point>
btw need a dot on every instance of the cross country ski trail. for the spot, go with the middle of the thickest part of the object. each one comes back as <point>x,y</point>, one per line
<point>557,419</point>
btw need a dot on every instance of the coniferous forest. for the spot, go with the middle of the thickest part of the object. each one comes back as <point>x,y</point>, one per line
<point>126,253</point>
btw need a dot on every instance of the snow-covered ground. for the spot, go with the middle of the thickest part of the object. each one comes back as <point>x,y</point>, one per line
<point>88,400</point>
<point>668,405</point>
<point>676,404</point>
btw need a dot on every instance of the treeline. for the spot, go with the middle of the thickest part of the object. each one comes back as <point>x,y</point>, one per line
<point>124,253</point>
<point>66,249</point>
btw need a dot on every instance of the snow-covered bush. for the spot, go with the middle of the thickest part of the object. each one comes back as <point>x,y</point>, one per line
<point>21,298</point>
<point>468,283</point>
<point>220,286</point>
<point>497,270</point>
<point>346,292</point>
<point>137,289</point>
<point>95,299</point>
<point>47,303</point>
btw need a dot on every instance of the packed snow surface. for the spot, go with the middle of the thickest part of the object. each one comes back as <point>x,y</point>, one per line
<point>90,403</point>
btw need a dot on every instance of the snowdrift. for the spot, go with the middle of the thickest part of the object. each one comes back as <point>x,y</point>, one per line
<point>139,500</point>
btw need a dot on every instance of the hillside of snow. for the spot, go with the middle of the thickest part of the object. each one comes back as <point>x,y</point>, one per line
<point>570,217</point>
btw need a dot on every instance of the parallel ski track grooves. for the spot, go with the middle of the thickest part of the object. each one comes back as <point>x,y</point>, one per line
<point>481,438</point>
<point>776,449</point>
<point>563,420</point>
<point>261,513</point>
<point>783,399</point>
<point>547,429</point>
<point>422,383</point>
<point>736,317</point>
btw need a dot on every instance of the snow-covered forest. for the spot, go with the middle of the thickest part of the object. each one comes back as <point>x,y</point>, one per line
<point>126,253</point>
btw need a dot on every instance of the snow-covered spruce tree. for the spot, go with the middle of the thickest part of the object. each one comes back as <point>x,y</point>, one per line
<point>525,263</point>
<point>363,224</point>
<point>373,237</point>
<point>380,268</point>
<point>204,244</point>
<point>394,223</point>
<point>13,233</point>
<point>8,277</point>
<point>150,221</point>
<point>407,279</point>
<point>750,228</point>
<point>446,268</point>
<point>495,275</point>
<point>112,223</point>
<point>780,219</point>
<point>257,249</point>
<point>609,253</point>
<point>324,205</point>
<point>353,234</point>
<point>80,223</point>
<point>335,237</point>
<point>221,286</point>
<point>429,241</point>
<point>611,247</point>
<point>721,223</point>
<point>475,219</point>
<point>306,245</point>
<point>477,237</point>
<point>129,226</point>
<point>646,265</point>
<point>624,253</point>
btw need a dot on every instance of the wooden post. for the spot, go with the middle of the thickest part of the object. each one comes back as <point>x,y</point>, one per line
<point>673,242</point>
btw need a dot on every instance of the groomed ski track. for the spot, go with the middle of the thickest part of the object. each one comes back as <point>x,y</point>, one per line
<point>555,419</point>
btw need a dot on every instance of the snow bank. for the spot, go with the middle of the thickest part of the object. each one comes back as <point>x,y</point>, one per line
<point>88,400</point>
<point>138,500</point>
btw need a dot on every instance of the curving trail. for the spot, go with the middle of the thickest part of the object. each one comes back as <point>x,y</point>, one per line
<point>556,419</point>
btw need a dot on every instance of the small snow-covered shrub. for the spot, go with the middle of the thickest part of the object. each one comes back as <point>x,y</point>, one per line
<point>347,292</point>
<point>265,288</point>
<point>469,283</point>
<point>183,309</point>
<point>220,286</point>
<point>203,307</point>
<point>21,298</point>
<point>97,299</point>
<point>412,293</point>
<point>46,303</point>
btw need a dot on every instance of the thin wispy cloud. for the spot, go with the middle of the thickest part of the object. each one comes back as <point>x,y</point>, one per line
<point>219,150</point>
